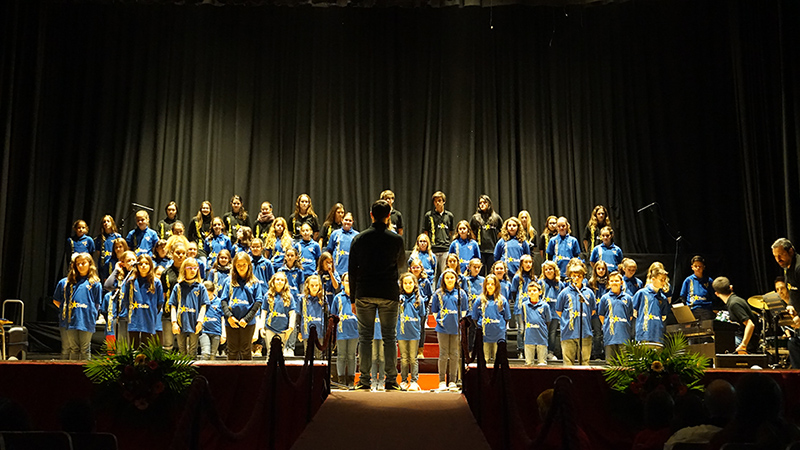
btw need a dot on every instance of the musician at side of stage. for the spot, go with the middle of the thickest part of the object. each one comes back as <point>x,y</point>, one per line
<point>749,332</point>
<point>785,256</point>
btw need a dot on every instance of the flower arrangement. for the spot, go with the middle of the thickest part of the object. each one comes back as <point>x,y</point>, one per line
<point>639,369</point>
<point>141,375</point>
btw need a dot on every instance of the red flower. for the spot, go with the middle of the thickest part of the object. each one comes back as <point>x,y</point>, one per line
<point>129,371</point>
<point>158,387</point>
<point>153,365</point>
<point>642,377</point>
<point>682,390</point>
<point>636,387</point>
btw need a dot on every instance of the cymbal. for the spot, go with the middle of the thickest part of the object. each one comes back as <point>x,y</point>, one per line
<point>757,301</point>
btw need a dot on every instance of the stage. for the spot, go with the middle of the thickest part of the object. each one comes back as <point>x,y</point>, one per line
<point>610,419</point>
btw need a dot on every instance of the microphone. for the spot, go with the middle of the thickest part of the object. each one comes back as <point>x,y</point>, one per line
<point>147,208</point>
<point>647,207</point>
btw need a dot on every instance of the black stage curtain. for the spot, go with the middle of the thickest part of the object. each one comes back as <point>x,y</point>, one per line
<point>691,104</point>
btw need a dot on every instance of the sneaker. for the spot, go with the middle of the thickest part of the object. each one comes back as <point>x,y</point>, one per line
<point>413,387</point>
<point>442,386</point>
<point>361,387</point>
<point>382,385</point>
<point>393,387</point>
<point>551,357</point>
<point>452,387</point>
<point>404,386</point>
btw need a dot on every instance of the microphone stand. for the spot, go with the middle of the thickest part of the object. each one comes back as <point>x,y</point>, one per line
<point>677,240</point>
<point>118,301</point>
<point>580,322</point>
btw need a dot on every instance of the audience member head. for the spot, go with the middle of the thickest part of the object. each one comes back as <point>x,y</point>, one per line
<point>720,401</point>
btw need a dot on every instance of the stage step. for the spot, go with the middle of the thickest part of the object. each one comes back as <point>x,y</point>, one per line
<point>392,420</point>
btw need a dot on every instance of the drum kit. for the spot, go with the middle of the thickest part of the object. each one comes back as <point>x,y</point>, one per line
<point>776,325</point>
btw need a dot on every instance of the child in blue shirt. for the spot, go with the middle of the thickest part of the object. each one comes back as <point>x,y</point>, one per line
<point>262,267</point>
<point>105,245</point>
<point>339,244</point>
<point>216,242</point>
<point>144,298</point>
<point>448,305</point>
<point>697,292</point>
<point>279,312</point>
<point>422,251</point>
<point>575,306</point>
<point>536,319</point>
<point>330,279</point>
<point>426,291</point>
<point>519,293</point>
<point>240,299</point>
<point>294,275</point>
<point>607,251</point>
<point>632,284</point>
<point>221,270</point>
<point>500,270</point>
<point>312,311</point>
<point>346,333</point>
<point>279,239</point>
<point>491,312</point>
<point>512,246</point>
<point>310,250</point>
<point>464,246</point>
<point>616,314</point>
<point>563,247</point>
<point>410,321</point>
<point>80,242</point>
<point>293,270</point>
<point>212,324</point>
<point>598,284</point>
<point>472,284</point>
<point>142,239</point>
<point>551,287</point>
<point>650,306</point>
<point>78,298</point>
<point>188,303</point>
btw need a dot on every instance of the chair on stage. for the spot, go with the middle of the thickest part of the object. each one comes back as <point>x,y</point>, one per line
<point>26,440</point>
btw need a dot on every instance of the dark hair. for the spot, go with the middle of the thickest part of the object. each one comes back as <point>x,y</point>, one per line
<point>172,203</point>
<point>722,286</point>
<point>380,210</point>
<point>699,259</point>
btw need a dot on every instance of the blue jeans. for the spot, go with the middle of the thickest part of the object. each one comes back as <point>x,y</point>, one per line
<point>366,308</point>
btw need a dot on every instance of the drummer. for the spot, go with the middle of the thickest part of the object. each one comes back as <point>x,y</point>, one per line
<point>785,256</point>
<point>748,334</point>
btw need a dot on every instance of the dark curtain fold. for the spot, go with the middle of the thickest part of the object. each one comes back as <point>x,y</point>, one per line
<point>691,104</point>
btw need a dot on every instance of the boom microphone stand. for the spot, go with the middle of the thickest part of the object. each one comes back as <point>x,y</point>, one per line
<point>677,240</point>
<point>583,301</point>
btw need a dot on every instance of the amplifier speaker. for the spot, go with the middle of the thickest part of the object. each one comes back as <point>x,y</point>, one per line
<point>734,361</point>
